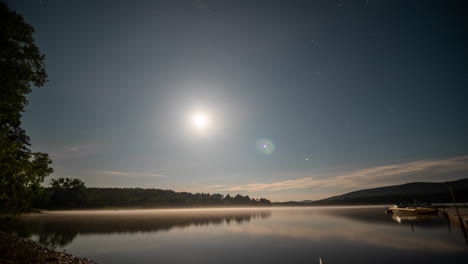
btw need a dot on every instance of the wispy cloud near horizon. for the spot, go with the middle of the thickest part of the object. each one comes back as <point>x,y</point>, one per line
<point>423,170</point>
<point>130,174</point>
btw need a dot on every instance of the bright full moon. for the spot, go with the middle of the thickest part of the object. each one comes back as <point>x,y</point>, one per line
<point>200,120</point>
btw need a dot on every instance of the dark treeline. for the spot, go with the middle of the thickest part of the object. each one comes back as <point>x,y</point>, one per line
<point>442,197</point>
<point>72,193</point>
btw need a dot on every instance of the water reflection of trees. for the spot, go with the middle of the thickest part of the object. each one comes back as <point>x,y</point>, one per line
<point>61,229</point>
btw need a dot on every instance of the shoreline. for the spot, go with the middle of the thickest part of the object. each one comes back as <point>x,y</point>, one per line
<point>178,209</point>
<point>14,249</point>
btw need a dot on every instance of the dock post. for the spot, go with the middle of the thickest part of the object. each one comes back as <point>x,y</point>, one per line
<point>462,225</point>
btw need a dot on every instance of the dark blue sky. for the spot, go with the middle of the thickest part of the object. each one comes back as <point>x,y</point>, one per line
<point>351,94</point>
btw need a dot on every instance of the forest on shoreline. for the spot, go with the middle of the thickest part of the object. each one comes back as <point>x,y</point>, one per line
<point>66,193</point>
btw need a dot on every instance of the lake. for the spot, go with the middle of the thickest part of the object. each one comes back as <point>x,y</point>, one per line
<point>249,235</point>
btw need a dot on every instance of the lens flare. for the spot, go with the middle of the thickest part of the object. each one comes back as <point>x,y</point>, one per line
<point>265,146</point>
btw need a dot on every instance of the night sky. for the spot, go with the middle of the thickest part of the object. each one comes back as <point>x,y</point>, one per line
<point>292,100</point>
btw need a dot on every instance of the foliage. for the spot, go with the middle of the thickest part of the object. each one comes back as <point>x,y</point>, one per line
<point>66,192</point>
<point>71,193</point>
<point>67,183</point>
<point>21,66</point>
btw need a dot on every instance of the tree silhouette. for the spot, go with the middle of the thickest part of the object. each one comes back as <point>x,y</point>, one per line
<point>21,66</point>
<point>67,193</point>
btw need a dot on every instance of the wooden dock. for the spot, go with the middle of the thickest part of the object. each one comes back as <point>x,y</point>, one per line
<point>452,215</point>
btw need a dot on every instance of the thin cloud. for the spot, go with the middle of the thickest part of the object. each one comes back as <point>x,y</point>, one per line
<point>130,174</point>
<point>72,152</point>
<point>217,186</point>
<point>204,188</point>
<point>424,170</point>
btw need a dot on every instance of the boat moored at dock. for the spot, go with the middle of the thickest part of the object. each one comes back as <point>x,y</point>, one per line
<point>411,209</point>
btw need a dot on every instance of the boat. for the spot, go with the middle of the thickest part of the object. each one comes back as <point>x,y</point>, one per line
<point>411,209</point>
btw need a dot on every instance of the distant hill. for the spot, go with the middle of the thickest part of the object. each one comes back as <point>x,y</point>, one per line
<point>405,189</point>
<point>433,192</point>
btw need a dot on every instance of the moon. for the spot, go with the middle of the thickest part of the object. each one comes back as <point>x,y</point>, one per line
<point>200,121</point>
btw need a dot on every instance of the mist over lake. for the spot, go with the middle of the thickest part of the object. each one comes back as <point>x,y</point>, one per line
<point>248,235</point>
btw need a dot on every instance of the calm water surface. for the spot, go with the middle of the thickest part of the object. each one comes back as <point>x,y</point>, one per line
<point>254,235</point>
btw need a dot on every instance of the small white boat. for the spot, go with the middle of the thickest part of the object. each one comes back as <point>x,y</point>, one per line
<point>411,210</point>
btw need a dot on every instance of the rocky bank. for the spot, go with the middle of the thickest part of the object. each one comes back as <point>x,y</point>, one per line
<point>17,250</point>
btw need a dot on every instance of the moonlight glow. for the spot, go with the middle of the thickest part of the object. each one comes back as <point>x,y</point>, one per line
<point>200,120</point>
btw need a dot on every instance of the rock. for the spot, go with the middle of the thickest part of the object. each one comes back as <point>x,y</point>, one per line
<point>18,250</point>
